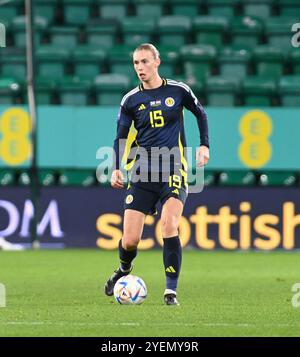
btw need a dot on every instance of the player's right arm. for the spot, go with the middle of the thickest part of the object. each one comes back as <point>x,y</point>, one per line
<point>124,123</point>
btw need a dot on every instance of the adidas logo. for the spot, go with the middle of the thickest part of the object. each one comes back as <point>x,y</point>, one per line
<point>170,269</point>
<point>142,107</point>
<point>176,191</point>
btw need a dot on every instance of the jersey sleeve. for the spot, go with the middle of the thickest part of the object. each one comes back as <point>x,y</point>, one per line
<point>191,103</point>
<point>124,115</point>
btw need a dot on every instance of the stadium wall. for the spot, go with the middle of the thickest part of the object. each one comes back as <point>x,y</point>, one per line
<point>70,136</point>
<point>218,218</point>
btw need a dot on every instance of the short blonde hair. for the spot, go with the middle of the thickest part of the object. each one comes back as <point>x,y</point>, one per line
<point>149,47</point>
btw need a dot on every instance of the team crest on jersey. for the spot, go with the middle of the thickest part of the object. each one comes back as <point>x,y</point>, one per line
<point>169,102</point>
<point>129,199</point>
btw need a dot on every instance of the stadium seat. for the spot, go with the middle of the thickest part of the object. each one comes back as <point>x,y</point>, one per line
<point>289,90</point>
<point>13,65</point>
<point>10,10</point>
<point>169,61</point>
<point>277,178</point>
<point>246,30</point>
<point>278,31</point>
<point>137,30</point>
<point>295,60</point>
<point>289,7</point>
<point>47,177</point>
<point>210,29</point>
<point>19,30</point>
<point>44,91</point>
<point>74,91</point>
<point>7,177</point>
<point>173,30</point>
<point>88,61</point>
<point>237,178</point>
<point>233,62</point>
<point>24,178</point>
<point>65,37</point>
<point>185,7</point>
<point>222,7</point>
<point>73,177</point>
<point>197,60</point>
<point>259,8</point>
<point>120,60</point>
<point>51,61</point>
<point>101,34</point>
<point>209,178</point>
<point>9,89</point>
<point>221,91</point>
<point>110,88</point>
<point>46,9</point>
<point>258,91</point>
<point>76,12</point>
<point>269,61</point>
<point>112,9</point>
<point>154,9</point>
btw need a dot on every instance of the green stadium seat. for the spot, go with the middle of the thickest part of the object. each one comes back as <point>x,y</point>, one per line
<point>169,60</point>
<point>269,61</point>
<point>137,30</point>
<point>277,178</point>
<point>76,12</point>
<point>173,30</point>
<point>102,35</point>
<point>44,91</point>
<point>19,30</point>
<point>51,61</point>
<point>295,60</point>
<point>237,178</point>
<point>289,90</point>
<point>110,88</point>
<point>47,177</point>
<point>9,89</point>
<point>120,60</point>
<point>246,30</point>
<point>258,91</point>
<point>112,9</point>
<point>65,37</point>
<point>233,62</point>
<point>13,65</point>
<point>278,31</point>
<point>221,91</point>
<point>259,8</point>
<point>185,7</point>
<point>155,8</point>
<point>222,7</point>
<point>10,10</point>
<point>74,91</point>
<point>46,9</point>
<point>209,178</point>
<point>210,29</point>
<point>88,61</point>
<point>289,7</point>
<point>197,60</point>
<point>75,177</point>
<point>7,177</point>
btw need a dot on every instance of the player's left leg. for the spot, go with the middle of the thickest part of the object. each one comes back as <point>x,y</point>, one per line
<point>172,253</point>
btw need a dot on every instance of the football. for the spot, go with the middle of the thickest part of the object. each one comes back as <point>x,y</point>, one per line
<point>130,290</point>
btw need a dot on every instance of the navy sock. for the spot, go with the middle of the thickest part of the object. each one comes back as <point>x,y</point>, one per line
<point>126,257</point>
<point>172,255</point>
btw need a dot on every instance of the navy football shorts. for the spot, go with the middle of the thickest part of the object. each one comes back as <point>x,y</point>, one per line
<point>143,196</point>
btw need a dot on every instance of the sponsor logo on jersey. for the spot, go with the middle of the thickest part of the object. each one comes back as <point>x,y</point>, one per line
<point>142,107</point>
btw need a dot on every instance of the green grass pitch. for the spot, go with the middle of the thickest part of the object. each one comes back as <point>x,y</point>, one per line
<point>60,293</point>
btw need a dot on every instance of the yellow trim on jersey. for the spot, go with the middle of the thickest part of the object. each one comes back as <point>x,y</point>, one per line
<point>131,138</point>
<point>183,160</point>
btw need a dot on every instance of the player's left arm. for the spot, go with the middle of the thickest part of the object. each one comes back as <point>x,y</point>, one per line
<point>191,102</point>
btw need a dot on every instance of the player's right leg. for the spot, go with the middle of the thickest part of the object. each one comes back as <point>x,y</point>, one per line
<point>132,233</point>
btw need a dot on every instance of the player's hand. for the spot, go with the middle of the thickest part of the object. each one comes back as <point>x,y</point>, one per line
<point>117,179</point>
<point>202,156</point>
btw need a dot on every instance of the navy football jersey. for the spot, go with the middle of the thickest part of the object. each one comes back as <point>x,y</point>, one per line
<point>157,115</point>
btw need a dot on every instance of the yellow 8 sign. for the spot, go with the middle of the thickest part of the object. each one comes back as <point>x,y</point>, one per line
<point>255,150</point>
<point>15,146</point>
